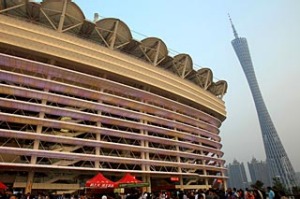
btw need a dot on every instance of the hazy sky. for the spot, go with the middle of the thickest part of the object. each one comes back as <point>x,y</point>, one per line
<point>202,29</point>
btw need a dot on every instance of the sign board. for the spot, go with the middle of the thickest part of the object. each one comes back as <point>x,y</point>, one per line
<point>174,179</point>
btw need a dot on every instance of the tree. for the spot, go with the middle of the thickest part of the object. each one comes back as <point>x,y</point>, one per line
<point>258,185</point>
<point>296,190</point>
<point>278,186</point>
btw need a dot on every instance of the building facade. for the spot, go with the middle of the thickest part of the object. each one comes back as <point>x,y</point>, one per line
<point>259,170</point>
<point>80,97</point>
<point>237,175</point>
<point>277,159</point>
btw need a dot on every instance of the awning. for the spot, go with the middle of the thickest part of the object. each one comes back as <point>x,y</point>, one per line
<point>130,181</point>
<point>2,186</point>
<point>100,182</point>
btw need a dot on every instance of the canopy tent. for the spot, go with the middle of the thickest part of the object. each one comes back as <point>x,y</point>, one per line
<point>129,180</point>
<point>2,186</point>
<point>100,182</point>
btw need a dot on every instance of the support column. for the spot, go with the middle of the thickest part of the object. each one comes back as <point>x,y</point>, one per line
<point>62,17</point>
<point>179,168</point>
<point>145,156</point>
<point>29,182</point>
<point>97,148</point>
<point>1,7</point>
<point>39,131</point>
<point>98,136</point>
<point>178,157</point>
<point>36,145</point>
<point>184,68</point>
<point>205,173</point>
<point>155,61</point>
<point>205,180</point>
<point>224,180</point>
<point>181,182</point>
<point>112,39</point>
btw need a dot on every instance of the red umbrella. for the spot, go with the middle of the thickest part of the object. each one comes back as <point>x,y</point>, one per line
<point>2,186</point>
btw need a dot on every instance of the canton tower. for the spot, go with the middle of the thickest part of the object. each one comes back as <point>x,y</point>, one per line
<point>277,159</point>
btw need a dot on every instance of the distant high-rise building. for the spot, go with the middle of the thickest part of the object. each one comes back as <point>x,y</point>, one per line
<point>259,171</point>
<point>298,178</point>
<point>237,175</point>
<point>277,159</point>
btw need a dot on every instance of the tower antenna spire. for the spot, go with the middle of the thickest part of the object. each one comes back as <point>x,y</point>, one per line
<point>233,28</point>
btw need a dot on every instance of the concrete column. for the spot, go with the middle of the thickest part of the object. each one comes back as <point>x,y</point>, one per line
<point>29,182</point>
<point>62,16</point>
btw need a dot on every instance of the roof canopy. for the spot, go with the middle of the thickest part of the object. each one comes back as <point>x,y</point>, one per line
<point>130,181</point>
<point>67,16</point>
<point>2,186</point>
<point>100,182</point>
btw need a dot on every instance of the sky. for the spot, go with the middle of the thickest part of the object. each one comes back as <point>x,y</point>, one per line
<point>202,30</point>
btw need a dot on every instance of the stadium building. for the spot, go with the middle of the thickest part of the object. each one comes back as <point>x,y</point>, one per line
<point>79,97</point>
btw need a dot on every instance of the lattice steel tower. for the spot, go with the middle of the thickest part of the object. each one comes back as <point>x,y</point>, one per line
<point>277,159</point>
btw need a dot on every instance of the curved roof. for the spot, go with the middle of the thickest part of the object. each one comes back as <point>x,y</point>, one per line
<point>113,32</point>
<point>168,64</point>
<point>183,64</point>
<point>86,29</point>
<point>151,49</point>
<point>218,88</point>
<point>16,7</point>
<point>66,16</point>
<point>154,49</point>
<point>53,11</point>
<point>203,77</point>
<point>33,11</point>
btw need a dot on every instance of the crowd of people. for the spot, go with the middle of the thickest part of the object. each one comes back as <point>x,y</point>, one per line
<point>230,193</point>
<point>255,193</point>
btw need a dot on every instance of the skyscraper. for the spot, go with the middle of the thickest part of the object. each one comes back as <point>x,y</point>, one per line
<point>237,175</point>
<point>259,171</point>
<point>277,159</point>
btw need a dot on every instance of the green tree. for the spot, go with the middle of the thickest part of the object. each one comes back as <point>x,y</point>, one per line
<point>278,186</point>
<point>296,190</point>
<point>258,185</point>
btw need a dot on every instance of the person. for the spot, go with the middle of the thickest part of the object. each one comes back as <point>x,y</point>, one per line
<point>28,196</point>
<point>271,194</point>
<point>258,194</point>
<point>180,194</point>
<point>283,195</point>
<point>246,193</point>
<point>235,193</point>
<point>250,194</point>
<point>229,194</point>
<point>117,196</point>
<point>241,193</point>
<point>200,194</point>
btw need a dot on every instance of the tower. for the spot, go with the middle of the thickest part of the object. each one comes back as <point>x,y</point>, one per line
<point>277,159</point>
<point>259,171</point>
<point>237,175</point>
